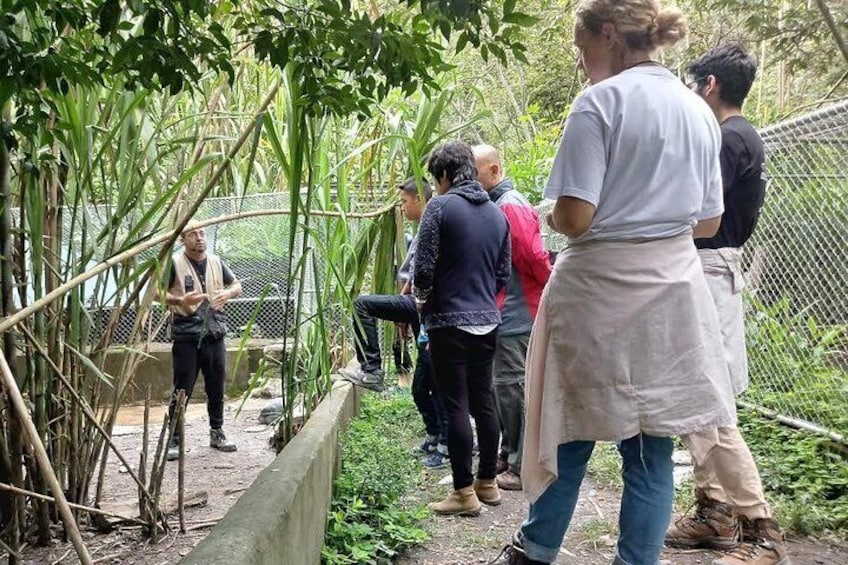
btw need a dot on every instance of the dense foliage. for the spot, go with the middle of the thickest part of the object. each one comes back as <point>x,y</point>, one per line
<point>369,522</point>
<point>805,476</point>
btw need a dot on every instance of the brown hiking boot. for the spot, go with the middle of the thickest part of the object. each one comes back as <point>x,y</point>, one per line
<point>501,466</point>
<point>487,491</point>
<point>508,480</point>
<point>462,502</point>
<point>767,548</point>
<point>712,526</point>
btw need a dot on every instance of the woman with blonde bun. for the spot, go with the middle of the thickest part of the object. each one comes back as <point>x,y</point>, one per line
<point>622,347</point>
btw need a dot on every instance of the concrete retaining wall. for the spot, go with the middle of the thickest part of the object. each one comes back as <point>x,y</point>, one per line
<point>280,519</point>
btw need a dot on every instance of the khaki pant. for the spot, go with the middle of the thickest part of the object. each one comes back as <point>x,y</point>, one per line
<point>725,471</point>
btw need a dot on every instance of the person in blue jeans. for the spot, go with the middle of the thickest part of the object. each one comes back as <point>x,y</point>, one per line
<point>623,344</point>
<point>401,309</point>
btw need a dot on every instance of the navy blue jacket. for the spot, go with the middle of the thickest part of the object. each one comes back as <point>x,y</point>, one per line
<point>463,258</point>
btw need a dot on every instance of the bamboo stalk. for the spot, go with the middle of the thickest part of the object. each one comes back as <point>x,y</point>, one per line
<point>89,509</point>
<point>145,445</point>
<point>154,485</point>
<point>43,461</point>
<point>181,404</point>
<point>8,471</point>
<point>86,410</point>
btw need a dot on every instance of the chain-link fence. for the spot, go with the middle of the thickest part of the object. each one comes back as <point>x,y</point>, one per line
<point>797,266</point>
<point>797,271</point>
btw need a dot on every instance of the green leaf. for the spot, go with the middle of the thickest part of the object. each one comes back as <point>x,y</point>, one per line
<point>462,41</point>
<point>110,15</point>
<point>517,18</point>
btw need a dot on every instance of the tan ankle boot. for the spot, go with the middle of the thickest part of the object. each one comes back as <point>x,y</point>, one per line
<point>487,491</point>
<point>712,526</point>
<point>462,502</point>
<point>767,545</point>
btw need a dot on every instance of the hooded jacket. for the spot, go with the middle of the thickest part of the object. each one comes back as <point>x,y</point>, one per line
<point>531,265</point>
<point>462,260</point>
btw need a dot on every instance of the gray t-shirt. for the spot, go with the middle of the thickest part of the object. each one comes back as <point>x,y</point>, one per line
<point>405,271</point>
<point>644,150</point>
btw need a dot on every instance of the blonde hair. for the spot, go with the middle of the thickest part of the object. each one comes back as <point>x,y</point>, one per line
<point>642,23</point>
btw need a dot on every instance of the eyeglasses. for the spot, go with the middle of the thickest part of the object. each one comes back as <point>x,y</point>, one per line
<point>695,81</point>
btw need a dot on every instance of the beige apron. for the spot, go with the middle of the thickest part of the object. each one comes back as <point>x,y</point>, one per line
<point>626,341</point>
<point>723,270</point>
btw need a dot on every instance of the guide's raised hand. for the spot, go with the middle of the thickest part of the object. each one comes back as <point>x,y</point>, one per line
<point>194,297</point>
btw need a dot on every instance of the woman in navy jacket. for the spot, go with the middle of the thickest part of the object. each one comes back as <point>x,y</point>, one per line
<point>462,262</point>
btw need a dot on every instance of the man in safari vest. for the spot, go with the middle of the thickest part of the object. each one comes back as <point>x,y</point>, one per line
<point>199,285</point>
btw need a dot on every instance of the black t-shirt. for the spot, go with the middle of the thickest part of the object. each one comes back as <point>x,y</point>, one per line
<point>743,179</point>
<point>200,268</point>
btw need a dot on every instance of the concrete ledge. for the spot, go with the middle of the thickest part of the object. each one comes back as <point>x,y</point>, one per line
<point>280,519</point>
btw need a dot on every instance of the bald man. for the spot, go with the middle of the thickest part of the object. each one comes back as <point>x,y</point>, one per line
<point>530,271</point>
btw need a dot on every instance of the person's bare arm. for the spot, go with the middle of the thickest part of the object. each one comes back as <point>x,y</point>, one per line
<point>571,216</point>
<point>707,227</point>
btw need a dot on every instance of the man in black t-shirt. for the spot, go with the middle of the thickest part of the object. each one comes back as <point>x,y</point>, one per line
<point>727,482</point>
<point>199,285</point>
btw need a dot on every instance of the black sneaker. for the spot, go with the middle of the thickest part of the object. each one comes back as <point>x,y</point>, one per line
<point>427,447</point>
<point>436,460</point>
<point>358,377</point>
<point>219,441</point>
<point>513,554</point>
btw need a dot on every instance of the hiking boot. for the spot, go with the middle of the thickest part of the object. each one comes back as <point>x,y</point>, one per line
<point>509,480</point>
<point>462,502</point>
<point>767,548</point>
<point>436,460</point>
<point>502,466</point>
<point>487,491</point>
<point>712,526</point>
<point>173,450</point>
<point>513,554</point>
<point>358,377</point>
<point>219,441</point>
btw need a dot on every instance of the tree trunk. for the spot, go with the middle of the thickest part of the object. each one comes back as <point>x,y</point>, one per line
<point>834,29</point>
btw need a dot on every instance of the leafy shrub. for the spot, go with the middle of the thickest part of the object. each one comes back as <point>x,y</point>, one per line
<point>795,364</point>
<point>368,521</point>
<point>805,476</point>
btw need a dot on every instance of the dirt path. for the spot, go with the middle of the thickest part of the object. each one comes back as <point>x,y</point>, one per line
<point>223,477</point>
<point>590,540</point>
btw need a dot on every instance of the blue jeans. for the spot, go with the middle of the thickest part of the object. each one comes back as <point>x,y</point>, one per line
<point>646,503</point>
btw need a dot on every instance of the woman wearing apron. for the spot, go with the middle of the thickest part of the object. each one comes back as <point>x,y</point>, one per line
<point>625,341</point>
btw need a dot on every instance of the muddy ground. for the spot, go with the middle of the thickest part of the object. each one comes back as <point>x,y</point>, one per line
<point>222,477</point>
<point>590,540</point>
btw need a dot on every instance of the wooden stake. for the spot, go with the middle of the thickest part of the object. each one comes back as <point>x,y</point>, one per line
<point>43,461</point>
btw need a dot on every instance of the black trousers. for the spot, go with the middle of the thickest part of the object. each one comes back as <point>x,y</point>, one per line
<point>189,358</point>
<point>427,398</point>
<point>462,364</point>
<point>368,309</point>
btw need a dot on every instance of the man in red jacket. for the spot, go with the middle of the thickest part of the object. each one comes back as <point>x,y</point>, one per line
<point>519,303</point>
